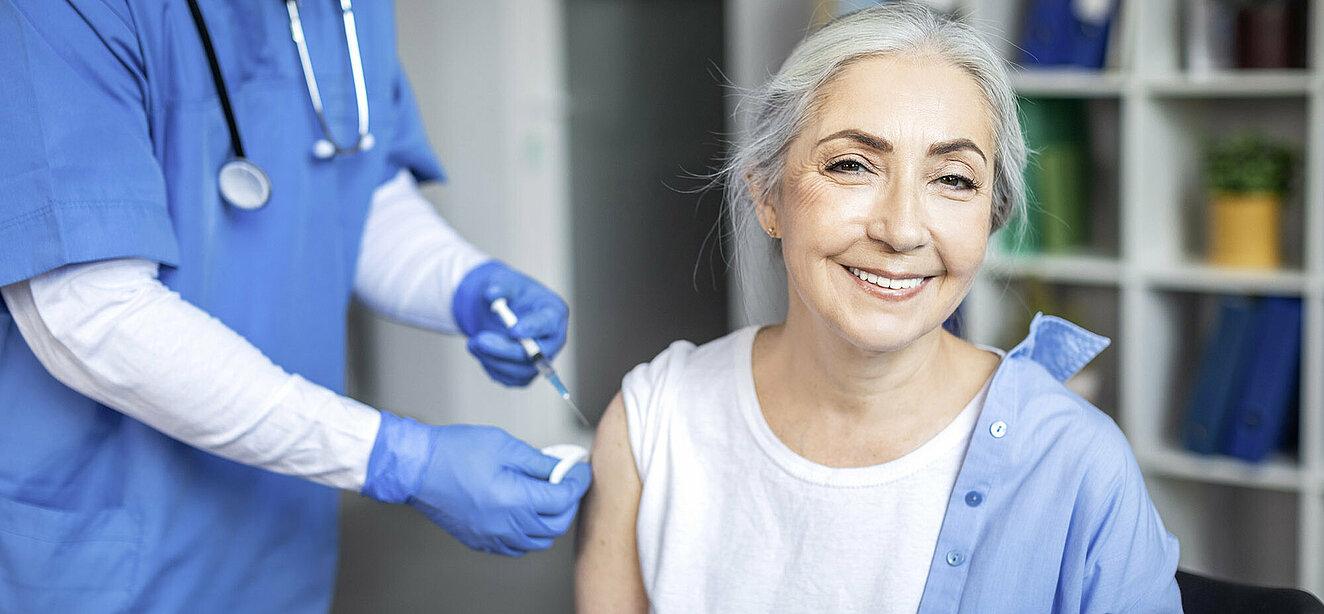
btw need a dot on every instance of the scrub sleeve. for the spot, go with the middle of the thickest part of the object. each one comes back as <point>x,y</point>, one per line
<point>78,182</point>
<point>77,172</point>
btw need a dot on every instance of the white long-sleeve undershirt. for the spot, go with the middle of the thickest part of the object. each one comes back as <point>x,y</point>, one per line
<point>411,260</point>
<point>113,332</point>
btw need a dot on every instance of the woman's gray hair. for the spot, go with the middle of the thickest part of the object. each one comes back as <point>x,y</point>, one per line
<point>781,107</point>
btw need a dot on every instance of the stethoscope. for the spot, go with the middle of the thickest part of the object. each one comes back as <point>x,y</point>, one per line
<point>242,182</point>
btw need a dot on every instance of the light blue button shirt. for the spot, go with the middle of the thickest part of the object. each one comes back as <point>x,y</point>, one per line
<point>1050,512</point>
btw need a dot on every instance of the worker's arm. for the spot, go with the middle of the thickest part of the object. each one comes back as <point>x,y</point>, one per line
<point>411,261</point>
<point>414,268</point>
<point>607,576</point>
<point>113,332</point>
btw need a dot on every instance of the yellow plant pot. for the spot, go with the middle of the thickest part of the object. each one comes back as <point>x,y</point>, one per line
<point>1244,229</point>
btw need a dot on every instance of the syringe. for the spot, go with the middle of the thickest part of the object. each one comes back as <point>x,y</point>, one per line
<point>540,361</point>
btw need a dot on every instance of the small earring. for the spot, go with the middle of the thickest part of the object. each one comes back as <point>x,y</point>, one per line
<point>771,232</point>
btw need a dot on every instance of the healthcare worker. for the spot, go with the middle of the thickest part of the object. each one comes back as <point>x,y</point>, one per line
<point>190,192</point>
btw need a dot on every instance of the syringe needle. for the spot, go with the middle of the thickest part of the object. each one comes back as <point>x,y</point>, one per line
<point>579,414</point>
<point>531,348</point>
<point>545,368</point>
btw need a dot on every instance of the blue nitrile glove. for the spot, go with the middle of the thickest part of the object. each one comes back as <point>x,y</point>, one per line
<point>542,317</point>
<point>485,487</point>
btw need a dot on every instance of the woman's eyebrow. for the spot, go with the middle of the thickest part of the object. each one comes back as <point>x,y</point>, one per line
<point>864,138</point>
<point>946,147</point>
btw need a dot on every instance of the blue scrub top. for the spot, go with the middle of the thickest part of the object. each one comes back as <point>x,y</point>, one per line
<point>111,140</point>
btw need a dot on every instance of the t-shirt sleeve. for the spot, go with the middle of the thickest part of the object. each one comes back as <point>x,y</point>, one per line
<point>1131,562</point>
<point>410,149</point>
<point>647,391</point>
<point>78,178</point>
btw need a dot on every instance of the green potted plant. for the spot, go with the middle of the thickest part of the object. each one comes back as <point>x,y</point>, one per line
<point>1246,177</point>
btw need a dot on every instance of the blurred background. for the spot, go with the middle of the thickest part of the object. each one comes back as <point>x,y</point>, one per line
<point>1177,207</point>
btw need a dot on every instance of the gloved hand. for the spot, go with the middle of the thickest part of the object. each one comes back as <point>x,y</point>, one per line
<point>542,317</point>
<point>483,486</point>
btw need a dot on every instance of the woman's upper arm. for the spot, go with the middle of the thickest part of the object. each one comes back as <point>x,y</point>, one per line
<point>607,576</point>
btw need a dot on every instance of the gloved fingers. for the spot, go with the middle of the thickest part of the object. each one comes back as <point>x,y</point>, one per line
<point>537,526</point>
<point>489,544</point>
<point>493,352</point>
<point>509,374</point>
<point>551,346</point>
<point>498,546</point>
<point>516,537</point>
<point>578,479</point>
<point>509,284</point>
<point>540,314</point>
<point>542,543</point>
<point>553,499</point>
<point>489,344</point>
<point>560,523</point>
<point>524,545</point>
<point>531,462</point>
<point>537,324</point>
<point>544,325</point>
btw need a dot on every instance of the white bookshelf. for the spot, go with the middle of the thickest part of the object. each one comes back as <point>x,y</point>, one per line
<point>1146,287</point>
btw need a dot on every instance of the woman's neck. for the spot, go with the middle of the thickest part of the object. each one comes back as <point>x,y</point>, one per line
<point>817,366</point>
<point>841,405</point>
<point>814,369</point>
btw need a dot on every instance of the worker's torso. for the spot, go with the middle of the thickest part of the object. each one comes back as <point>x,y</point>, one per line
<point>101,513</point>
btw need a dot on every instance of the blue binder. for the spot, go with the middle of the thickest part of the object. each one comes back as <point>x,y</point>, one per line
<point>1271,385</point>
<point>1215,383</point>
<point>1056,33</point>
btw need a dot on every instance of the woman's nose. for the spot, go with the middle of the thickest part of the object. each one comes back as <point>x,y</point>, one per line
<point>896,218</point>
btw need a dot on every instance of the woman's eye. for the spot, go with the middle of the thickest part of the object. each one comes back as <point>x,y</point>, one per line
<point>847,166</point>
<point>957,181</point>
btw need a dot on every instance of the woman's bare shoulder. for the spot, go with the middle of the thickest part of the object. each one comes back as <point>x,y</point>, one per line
<point>607,575</point>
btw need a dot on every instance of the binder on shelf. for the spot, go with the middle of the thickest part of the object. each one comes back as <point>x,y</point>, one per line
<point>1058,176</point>
<point>1271,34</point>
<point>1215,382</point>
<point>1067,32</point>
<point>1270,387</point>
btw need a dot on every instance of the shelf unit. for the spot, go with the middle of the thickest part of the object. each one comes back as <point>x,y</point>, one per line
<point>1144,285</point>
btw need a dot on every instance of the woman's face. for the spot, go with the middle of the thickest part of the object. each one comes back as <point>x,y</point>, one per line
<point>885,203</point>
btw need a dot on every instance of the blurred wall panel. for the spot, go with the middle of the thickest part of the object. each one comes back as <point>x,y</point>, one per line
<point>647,116</point>
<point>759,36</point>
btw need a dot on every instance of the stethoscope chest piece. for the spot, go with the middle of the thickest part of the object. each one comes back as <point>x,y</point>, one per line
<point>244,184</point>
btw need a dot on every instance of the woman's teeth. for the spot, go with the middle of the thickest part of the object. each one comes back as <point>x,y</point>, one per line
<point>883,282</point>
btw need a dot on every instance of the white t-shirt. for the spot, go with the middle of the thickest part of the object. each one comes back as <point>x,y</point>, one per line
<point>731,520</point>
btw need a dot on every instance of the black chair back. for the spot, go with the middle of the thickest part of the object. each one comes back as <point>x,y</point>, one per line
<point>1205,595</point>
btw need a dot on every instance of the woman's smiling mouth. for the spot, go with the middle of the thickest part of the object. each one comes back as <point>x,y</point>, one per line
<point>897,286</point>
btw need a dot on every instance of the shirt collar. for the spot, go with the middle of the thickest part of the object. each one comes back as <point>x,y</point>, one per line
<point>1061,347</point>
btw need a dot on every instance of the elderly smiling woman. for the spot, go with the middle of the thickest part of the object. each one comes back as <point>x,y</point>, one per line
<point>858,457</point>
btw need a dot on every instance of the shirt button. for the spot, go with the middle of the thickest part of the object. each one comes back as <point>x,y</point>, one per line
<point>955,558</point>
<point>998,429</point>
<point>973,498</point>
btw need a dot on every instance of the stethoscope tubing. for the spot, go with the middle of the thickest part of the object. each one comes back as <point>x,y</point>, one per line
<point>241,181</point>
<point>364,140</point>
<point>217,78</point>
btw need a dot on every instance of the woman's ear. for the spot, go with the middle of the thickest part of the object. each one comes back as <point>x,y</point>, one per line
<point>764,207</point>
